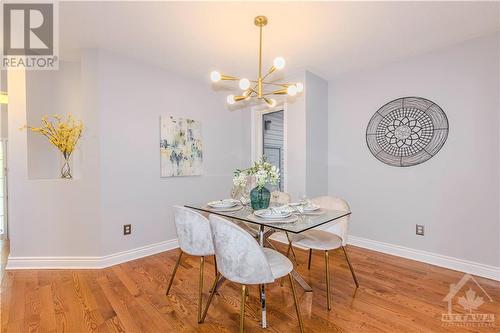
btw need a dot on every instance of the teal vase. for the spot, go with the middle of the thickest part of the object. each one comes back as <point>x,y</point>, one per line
<point>259,198</point>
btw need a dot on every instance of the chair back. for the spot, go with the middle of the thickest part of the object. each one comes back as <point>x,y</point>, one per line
<point>238,192</point>
<point>239,257</point>
<point>340,226</point>
<point>281,198</point>
<point>193,232</point>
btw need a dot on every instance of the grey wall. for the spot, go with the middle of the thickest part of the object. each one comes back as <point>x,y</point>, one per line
<point>456,193</point>
<point>316,135</point>
<point>53,217</point>
<point>307,137</point>
<point>132,96</point>
<point>119,182</point>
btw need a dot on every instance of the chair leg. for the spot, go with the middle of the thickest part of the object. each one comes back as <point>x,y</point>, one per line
<point>297,309</point>
<point>200,291</point>
<point>290,246</point>
<point>350,267</point>
<point>212,292</point>
<point>310,257</point>
<point>173,273</point>
<point>215,265</point>
<point>327,282</point>
<point>242,308</point>
<point>271,245</point>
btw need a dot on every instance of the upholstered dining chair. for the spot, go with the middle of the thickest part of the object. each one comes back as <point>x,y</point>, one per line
<point>280,198</point>
<point>195,238</point>
<point>238,192</point>
<point>328,237</point>
<point>240,259</point>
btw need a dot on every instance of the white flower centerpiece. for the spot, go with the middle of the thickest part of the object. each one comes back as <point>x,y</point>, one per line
<point>264,173</point>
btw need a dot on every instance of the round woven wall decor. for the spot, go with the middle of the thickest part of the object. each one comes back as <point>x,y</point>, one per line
<point>407,131</point>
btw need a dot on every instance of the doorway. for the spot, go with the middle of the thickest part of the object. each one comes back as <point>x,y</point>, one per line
<point>273,143</point>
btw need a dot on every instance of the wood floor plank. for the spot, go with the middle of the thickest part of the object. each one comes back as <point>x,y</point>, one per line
<point>119,305</point>
<point>395,295</point>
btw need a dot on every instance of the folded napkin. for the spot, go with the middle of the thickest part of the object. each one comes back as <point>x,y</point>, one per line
<point>281,209</point>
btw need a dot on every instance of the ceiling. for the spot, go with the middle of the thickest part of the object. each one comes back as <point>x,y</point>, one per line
<point>329,38</point>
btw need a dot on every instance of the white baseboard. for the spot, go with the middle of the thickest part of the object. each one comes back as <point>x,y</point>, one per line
<point>487,271</point>
<point>89,262</point>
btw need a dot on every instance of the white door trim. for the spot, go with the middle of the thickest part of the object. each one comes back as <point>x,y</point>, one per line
<point>256,135</point>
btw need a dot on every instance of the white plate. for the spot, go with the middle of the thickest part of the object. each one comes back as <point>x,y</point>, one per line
<point>311,208</point>
<point>226,203</point>
<point>294,204</point>
<point>270,215</point>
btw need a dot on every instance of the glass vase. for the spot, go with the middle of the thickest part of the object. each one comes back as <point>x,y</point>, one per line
<point>66,168</point>
<point>259,198</point>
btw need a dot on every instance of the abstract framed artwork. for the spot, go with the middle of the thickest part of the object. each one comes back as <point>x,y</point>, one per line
<point>181,148</point>
<point>407,131</point>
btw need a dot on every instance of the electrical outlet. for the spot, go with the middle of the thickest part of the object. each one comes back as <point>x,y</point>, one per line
<point>419,229</point>
<point>127,229</point>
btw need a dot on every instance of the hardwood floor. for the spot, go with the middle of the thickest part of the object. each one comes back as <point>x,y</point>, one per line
<point>395,295</point>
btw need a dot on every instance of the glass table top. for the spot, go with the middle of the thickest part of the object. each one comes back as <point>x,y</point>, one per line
<point>296,224</point>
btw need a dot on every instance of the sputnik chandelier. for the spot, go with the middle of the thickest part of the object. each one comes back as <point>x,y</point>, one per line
<point>255,89</point>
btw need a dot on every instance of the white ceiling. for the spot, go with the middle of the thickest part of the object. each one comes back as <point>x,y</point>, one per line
<point>328,37</point>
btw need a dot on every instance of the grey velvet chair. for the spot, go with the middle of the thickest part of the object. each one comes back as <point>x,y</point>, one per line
<point>327,237</point>
<point>195,238</point>
<point>240,259</point>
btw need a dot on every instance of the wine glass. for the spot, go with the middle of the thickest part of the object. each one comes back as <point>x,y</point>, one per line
<point>245,199</point>
<point>275,195</point>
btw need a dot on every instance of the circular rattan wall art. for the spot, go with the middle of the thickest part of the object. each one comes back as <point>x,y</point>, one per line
<point>407,131</point>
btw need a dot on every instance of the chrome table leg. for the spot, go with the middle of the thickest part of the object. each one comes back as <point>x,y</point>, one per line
<point>262,286</point>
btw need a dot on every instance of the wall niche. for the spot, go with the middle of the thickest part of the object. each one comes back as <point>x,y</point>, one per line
<point>50,93</point>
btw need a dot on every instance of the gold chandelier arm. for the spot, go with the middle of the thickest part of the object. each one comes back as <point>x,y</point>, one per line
<point>269,72</point>
<point>256,86</point>
<point>239,98</point>
<point>228,78</point>
<point>277,92</point>
<point>284,85</point>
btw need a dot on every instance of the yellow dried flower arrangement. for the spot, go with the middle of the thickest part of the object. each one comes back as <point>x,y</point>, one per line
<point>63,134</point>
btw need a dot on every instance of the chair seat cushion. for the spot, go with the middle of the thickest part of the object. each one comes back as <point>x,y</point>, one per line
<point>280,265</point>
<point>318,240</point>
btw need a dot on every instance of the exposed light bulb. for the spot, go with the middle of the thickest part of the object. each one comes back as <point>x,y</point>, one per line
<point>300,87</point>
<point>279,63</point>
<point>291,90</point>
<point>215,76</point>
<point>230,99</point>
<point>244,84</point>
<point>271,103</point>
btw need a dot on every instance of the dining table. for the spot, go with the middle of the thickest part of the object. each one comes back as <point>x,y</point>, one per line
<point>300,222</point>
